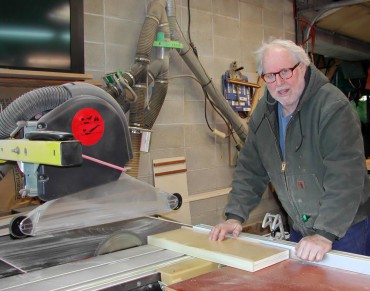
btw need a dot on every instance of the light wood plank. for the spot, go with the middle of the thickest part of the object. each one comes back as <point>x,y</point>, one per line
<point>186,269</point>
<point>333,259</point>
<point>233,252</point>
<point>170,175</point>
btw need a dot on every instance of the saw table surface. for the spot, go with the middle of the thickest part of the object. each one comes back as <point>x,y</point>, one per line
<point>40,252</point>
<point>286,275</point>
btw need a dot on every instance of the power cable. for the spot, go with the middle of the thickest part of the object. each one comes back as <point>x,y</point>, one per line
<point>206,96</point>
<point>189,34</point>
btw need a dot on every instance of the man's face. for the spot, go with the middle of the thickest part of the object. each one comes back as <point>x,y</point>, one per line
<point>288,91</point>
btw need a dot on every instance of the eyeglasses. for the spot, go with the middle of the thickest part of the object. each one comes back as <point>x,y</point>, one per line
<point>284,74</point>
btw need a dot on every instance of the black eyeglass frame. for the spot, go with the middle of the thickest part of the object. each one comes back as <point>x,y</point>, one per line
<point>278,73</point>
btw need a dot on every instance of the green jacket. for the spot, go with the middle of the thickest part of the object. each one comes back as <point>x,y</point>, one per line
<point>323,176</point>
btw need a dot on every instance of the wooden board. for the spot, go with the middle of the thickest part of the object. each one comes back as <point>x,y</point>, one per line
<point>170,175</point>
<point>233,252</point>
<point>43,75</point>
<point>185,270</point>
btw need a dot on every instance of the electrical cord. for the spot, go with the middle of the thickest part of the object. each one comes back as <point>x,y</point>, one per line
<point>184,76</point>
<point>205,106</point>
<point>205,93</point>
<point>189,34</point>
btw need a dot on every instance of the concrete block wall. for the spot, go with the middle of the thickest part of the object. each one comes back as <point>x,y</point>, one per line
<point>223,31</point>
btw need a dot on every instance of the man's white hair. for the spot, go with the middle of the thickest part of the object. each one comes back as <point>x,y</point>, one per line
<point>297,51</point>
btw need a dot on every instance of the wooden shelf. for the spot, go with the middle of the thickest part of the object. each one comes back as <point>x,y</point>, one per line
<point>35,79</point>
<point>43,75</point>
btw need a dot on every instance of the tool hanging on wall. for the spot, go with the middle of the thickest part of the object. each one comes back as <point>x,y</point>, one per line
<point>236,90</point>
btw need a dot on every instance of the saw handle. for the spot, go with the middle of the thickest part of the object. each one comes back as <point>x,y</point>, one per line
<point>49,135</point>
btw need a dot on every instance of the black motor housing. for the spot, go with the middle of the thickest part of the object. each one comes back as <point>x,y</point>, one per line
<point>102,129</point>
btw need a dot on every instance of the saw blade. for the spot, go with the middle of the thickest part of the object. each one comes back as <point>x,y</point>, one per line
<point>118,241</point>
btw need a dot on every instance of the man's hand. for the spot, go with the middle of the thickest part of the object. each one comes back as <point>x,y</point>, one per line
<point>313,248</point>
<point>219,232</point>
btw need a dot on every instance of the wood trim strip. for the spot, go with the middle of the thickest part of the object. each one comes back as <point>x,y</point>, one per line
<point>43,74</point>
<point>170,172</point>
<point>169,163</point>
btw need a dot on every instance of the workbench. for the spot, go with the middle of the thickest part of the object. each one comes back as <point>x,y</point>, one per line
<point>287,275</point>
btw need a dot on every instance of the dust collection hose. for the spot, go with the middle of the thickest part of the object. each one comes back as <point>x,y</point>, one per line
<point>145,116</point>
<point>123,199</point>
<point>29,105</point>
<point>152,110</point>
<point>159,70</point>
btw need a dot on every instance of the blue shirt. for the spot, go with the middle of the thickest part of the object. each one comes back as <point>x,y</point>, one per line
<point>283,122</point>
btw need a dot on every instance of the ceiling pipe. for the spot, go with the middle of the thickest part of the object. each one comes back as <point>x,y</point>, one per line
<point>329,7</point>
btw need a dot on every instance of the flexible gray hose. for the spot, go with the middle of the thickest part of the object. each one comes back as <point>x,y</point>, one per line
<point>148,32</point>
<point>196,67</point>
<point>147,37</point>
<point>159,69</point>
<point>137,72</point>
<point>137,108</point>
<point>151,112</point>
<point>29,105</point>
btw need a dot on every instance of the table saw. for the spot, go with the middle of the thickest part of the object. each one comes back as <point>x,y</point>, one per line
<point>70,261</point>
<point>79,237</point>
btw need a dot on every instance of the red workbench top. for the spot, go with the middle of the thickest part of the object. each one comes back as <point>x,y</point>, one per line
<point>286,275</point>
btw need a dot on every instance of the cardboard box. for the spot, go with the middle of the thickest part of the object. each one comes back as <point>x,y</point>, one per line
<point>11,182</point>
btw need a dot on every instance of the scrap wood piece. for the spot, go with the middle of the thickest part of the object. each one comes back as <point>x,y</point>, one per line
<point>233,252</point>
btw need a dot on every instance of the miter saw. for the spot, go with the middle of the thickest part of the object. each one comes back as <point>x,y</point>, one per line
<point>71,141</point>
<point>73,120</point>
